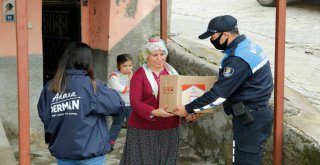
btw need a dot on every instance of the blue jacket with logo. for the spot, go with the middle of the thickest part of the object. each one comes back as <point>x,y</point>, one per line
<point>244,76</point>
<point>74,120</point>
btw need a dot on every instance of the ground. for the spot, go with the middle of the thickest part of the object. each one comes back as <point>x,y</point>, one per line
<point>41,156</point>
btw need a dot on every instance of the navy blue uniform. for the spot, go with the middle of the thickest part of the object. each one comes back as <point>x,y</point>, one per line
<point>244,76</point>
<point>74,120</point>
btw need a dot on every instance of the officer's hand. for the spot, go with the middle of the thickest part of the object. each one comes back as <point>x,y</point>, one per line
<point>161,112</point>
<point>193,117</point>
<point>180,111</point>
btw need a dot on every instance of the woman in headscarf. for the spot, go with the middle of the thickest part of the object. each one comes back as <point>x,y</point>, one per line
<point>153,133</point>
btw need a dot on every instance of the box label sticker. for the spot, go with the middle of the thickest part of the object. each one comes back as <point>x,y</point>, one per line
<point>192,91</point>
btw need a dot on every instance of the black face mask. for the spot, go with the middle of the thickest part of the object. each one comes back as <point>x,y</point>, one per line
<point>217,45</point>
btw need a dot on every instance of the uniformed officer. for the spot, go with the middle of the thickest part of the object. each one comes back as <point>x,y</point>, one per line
<point>244,88</point>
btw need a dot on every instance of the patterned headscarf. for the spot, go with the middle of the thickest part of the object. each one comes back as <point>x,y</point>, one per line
<point>151,45</point>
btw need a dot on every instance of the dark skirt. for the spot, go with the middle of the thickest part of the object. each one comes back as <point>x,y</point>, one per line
<point>151,147</point>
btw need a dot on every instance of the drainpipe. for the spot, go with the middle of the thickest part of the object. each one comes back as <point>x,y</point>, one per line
<point>23,82</point>
<point>164,20</point>
<point>279,81</point>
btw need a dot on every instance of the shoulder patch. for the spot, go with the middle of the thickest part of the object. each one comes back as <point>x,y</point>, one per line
<point>227,72</point>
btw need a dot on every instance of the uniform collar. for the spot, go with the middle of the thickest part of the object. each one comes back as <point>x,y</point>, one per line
<point>76,72</point>
<point>234,43</point>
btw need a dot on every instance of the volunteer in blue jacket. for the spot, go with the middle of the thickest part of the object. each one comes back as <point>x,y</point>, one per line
<point>73,107</point>
<point>244,88</point>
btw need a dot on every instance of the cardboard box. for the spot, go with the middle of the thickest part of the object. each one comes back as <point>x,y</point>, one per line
<point>180,90</point>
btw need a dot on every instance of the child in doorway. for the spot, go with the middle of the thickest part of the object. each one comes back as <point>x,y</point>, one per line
<point>120,81</point>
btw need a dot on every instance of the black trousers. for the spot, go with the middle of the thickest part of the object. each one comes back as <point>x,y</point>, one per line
<point>249,139</point>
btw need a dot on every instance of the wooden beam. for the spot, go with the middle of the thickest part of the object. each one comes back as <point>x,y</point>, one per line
<point>279,81</point>
<point>23,82</point>
<point>164,20</point>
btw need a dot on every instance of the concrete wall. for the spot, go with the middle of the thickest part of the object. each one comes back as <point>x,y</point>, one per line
<point>8,101</point>
<point>8,30</point>
<point>211,136</point>
<point>108,27</point>
<point>125,16</point>
<point>132,22</point>
<point>132,42</point>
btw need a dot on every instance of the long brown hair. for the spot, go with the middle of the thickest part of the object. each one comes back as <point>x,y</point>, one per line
<point>77,56</point>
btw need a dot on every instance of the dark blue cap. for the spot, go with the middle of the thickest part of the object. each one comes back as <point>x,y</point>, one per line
<point>223,23</point>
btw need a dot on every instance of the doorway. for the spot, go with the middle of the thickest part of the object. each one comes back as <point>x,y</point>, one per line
<point>61,25</point>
